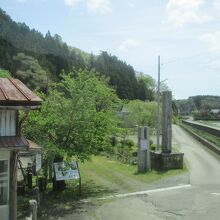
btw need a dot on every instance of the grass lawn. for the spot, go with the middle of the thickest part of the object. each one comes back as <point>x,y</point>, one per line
<point>120,177</point>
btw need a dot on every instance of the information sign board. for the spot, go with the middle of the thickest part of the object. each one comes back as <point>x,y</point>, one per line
<point>66,170</point>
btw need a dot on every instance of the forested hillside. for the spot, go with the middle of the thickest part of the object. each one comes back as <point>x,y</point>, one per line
<point>37,59</point>
<point>198,103</point>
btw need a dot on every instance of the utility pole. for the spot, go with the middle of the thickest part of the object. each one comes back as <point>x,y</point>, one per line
<point>158,106</point>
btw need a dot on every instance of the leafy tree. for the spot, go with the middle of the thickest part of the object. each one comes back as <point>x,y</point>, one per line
<point>198,103</point>
<point>27,69</point>
<point>122,76</point>
<point>77,118</point>
<point>141,113</point>
<point>54,54</point>
<point>4,73</point>
<point>146,87</point>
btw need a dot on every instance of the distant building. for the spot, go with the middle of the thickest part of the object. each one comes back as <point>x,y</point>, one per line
<point>124,111</point>
<point>215,111</point>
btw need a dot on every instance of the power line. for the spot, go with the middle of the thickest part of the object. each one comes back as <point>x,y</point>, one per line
<point>189,57</point>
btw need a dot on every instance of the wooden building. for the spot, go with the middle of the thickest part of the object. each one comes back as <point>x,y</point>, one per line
<point>14,98</point>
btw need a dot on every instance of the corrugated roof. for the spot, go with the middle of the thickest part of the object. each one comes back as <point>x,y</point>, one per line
<point>14,92</point>
<point>33,149</point>
<point>13,143</point>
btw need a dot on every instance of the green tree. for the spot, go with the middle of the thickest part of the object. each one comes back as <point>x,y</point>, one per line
<point>122,76</point>
<point>78,118</point>
<point>29,71</point>
<point>141,113</point>
<point>146,87</point>
<point>4,73</point>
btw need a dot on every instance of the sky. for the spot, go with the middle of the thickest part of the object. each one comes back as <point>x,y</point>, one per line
<point>184,33</point>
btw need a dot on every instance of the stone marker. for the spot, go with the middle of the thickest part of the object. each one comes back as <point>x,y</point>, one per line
<point>166,159</point>
<point>144,162</point>
<point>167,122</point>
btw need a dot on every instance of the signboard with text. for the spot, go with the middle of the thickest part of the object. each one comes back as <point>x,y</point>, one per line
<point>66,170</point>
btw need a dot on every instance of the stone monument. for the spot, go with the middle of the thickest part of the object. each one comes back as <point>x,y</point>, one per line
<point>144,161</point>
<point>167,122</point>
<point>166,160</point>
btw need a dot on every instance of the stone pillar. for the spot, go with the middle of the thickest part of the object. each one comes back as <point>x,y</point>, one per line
<point>144,149</point>
<point>167,122</point>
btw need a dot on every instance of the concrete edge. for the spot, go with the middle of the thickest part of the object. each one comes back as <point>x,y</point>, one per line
<point>202,140</point>
<point>206,128</point>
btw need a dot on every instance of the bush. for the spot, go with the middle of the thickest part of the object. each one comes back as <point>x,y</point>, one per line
<point>127,142</point>
<point>153,147</point>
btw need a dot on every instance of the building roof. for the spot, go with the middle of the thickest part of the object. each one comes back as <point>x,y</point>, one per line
<point>13,142</point>
<point>33,149</point>
<point>14,93</point>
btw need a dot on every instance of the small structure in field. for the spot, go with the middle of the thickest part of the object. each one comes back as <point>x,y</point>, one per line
<point>14,98</point>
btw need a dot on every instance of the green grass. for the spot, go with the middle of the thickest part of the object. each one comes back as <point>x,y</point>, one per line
<point>101,176</point>
<point>102,170</point>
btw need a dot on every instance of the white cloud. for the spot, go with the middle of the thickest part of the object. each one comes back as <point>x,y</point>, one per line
<point>71,2</point>
<point>212,40</point>
<point>101,6</point>
<point>181,12</point>
<point>128,44</point>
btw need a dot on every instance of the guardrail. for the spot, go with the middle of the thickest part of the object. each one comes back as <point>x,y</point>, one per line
<point>210,130</point>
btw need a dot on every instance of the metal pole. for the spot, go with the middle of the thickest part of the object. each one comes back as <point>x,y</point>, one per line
<point>158,106</point>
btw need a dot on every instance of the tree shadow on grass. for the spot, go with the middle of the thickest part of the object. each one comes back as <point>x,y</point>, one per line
<point>68,201</point>
<point>159,172</point>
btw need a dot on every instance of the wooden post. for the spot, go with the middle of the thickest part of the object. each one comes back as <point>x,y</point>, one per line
<point>29,176</point>
<point>143,149</point>
<point>51,158</point>
<point>13,186</point>
<point>167,122</point>
<point>80,181</point>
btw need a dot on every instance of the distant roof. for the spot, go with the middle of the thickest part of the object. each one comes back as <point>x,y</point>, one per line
<point>14,93</point>
<point>14,142</point>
